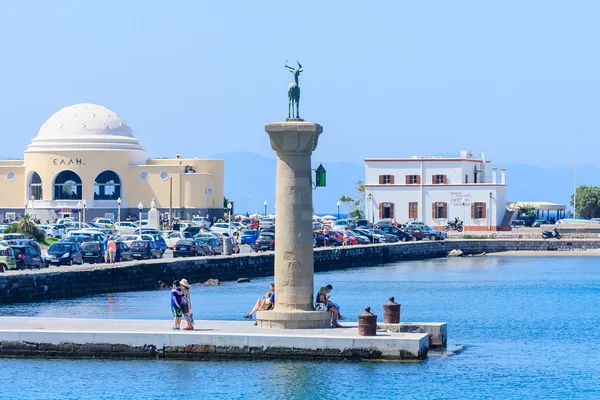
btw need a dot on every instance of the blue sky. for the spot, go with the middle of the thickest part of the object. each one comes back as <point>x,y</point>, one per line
<point>517,80</point>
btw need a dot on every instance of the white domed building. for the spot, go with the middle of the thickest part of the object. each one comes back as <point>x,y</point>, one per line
<point>86,156</point>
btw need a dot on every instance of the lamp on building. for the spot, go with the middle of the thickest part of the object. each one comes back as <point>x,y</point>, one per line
<point>119,214</point>
<point>265,204</point>
<point>84,204</point>
<point>338,205</point>
<point>229,205</point>
<point>140,207</point>
<point>79,208</point>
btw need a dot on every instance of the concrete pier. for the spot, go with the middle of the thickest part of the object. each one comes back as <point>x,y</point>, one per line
<point>437,331</point>
<point>73,338</point>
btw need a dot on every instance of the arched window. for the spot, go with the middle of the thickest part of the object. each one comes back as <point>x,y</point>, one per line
<point>35,186</point>
<point>107,186</point>
<point>67,186</point>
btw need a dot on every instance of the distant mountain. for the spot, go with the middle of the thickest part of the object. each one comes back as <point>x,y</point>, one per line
<point>250,180</point>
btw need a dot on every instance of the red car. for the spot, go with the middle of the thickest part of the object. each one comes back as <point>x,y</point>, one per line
<point>416,233</point>
<point>340,236</point>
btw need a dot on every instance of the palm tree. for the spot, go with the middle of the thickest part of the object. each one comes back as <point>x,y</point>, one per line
<point>27,225</point>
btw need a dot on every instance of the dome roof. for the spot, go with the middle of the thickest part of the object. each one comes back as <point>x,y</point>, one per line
<point>84,127</point>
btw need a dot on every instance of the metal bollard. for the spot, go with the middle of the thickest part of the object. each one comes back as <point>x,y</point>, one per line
<point>367,323</point>
<point>391,312</point>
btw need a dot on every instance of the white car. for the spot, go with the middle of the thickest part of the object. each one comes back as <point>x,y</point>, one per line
<point>175,236</point>
<point>103,222</point>
<point>128,239</point>
<point>126,228</point>
<point>223,227</point>
<point>201,221</point>
<point>266,223</point>
<point>50,231</point>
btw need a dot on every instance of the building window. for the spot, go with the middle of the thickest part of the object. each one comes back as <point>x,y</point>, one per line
<point>478,210</point>
<point>466,178</point>
<point>35,186</point>
<point>10,176</point>
<point>386,179</point>
<point>386,210</point>
<point>413,179</point>
<point>107,186</point>
<point>413,210</point>
<point>439,179</point>
<point>67,186</point>
<point>439,210</point>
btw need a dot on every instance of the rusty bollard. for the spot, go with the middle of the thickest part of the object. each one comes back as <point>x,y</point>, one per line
<point>367,323</point>
<point>391,312</point>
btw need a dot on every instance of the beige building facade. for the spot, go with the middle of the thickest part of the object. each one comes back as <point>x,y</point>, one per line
<point>86,154</point>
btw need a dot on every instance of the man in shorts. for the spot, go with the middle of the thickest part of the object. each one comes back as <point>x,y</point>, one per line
<point>105,248</point>
<point>176,297</point>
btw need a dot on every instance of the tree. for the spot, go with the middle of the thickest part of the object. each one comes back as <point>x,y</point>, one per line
<point>354,205</point>
<point>527,209</point>
<point>26,226</point>
<point>588,201</point>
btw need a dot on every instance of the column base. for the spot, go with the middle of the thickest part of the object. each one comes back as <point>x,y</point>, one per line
<point>293,319</point>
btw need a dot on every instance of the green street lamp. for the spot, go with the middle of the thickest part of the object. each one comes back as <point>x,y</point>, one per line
<point>320,176</point>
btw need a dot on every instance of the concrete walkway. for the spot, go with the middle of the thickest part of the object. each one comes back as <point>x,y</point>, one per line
<point>70,337</point>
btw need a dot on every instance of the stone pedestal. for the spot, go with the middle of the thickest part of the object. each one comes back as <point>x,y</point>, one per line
<point>294,142</point>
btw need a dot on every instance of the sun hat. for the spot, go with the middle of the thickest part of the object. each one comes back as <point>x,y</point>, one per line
<point>185,283</point>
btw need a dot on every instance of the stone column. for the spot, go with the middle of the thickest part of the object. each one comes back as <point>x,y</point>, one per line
<point>294,143</point>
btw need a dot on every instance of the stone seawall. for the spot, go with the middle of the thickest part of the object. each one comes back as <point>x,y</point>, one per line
<point>65,282</point>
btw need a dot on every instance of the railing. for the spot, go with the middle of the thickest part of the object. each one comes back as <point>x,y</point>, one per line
<point>74,204</point>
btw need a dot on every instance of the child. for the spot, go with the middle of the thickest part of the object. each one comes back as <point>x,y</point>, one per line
<point>176,296</point>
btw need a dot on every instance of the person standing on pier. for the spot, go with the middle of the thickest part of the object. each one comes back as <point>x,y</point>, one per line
<point>186,305</point>
<point>176,296</point>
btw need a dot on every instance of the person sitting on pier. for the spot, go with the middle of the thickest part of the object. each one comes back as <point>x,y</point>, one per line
<point>263,304</point>
<point>323,304</point>
<point>329,288</point>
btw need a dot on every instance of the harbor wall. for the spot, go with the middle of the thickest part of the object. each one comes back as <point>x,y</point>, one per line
<point>39,285</point>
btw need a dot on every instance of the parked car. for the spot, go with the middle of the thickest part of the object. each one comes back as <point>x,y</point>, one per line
<point>539,222</point>
<point>319,240</point>
<point>129,239</point>
<point>64,253</point>
<point>160,242</point>
<point>126,228</point>
<point>249,236</point>
<point>362,223</point>
<point>264,242</point>
<point>145,249</point>
<point>103,222</point>
<point>517,223</point>
<point>433,233</point>
<point>191,248</point>
<point>392,230</point>
<point>370,233</point>
<point>266,223</point>
<point>224,228</point>
<point>76,239</point>
<point>343,223</point>
<point>7,258</point>
<point>389,238</point>
<point>201,221</point>
<point>175,236</point>
<point>359,238</point>
<point>366,233</point>
<point>50,231</point>
<point>27,257</point>
<point>339,235</point>
<point>14,239</point>
<point>93,235</point>
<point>415,232</point>
<point>385,222</point>
<point>216,245</point>
<point>417,224</point>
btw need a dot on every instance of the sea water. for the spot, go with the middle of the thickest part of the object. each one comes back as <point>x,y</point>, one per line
<point>527,328</point>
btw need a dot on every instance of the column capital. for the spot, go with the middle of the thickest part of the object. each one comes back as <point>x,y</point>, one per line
<point>297,136</point>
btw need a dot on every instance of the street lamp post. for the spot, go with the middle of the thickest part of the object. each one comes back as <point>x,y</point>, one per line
<point>140,207</point>
<point>490,216</point>
<point>25,207</point>
<point>33,206</point>
<point>229,214</point>
<point>370,209</point>
<point>84,204</point>
<point>265,204</point>
<point>119,215</point>
<point>79,207</point>
<point>338,204</point>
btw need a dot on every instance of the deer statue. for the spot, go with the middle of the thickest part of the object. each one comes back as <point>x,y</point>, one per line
<point>294,91</point>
